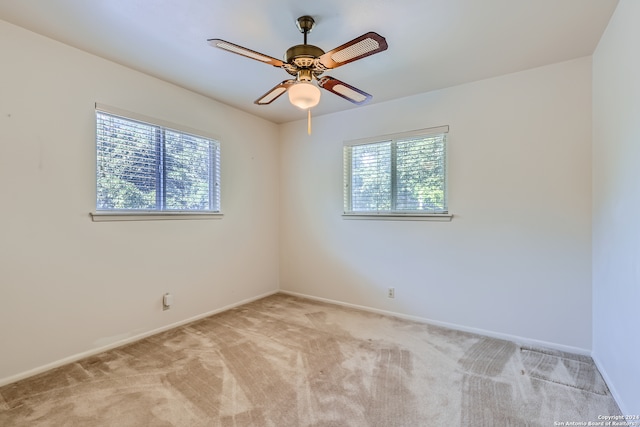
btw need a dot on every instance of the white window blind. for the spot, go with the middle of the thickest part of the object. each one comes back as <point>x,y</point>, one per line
<point>397,174</point>
<point>148,167</point>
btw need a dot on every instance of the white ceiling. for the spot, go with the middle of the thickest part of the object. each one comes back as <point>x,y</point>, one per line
<point>432,43</point>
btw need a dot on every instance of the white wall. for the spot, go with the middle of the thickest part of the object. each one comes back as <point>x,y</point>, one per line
<point>69,285</point>
<point>616,205</point>
<point>515,260</point>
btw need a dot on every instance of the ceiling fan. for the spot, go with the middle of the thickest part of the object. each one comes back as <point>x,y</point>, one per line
<point>307,63</point>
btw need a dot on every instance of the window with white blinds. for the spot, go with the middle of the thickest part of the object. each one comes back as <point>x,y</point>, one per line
<point>148,167</point>
<point>397,174</point>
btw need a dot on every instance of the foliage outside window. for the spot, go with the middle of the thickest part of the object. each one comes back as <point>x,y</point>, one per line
<point>143,167</point>
<point>396,175</point>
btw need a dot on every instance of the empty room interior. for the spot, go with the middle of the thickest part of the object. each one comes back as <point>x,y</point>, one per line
<point>509,295</point>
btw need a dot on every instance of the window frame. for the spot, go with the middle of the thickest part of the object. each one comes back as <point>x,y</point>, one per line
<point>349,213</point>
<point>100,215</point>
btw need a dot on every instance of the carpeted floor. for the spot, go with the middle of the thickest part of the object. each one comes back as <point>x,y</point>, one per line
<point>286,361</point>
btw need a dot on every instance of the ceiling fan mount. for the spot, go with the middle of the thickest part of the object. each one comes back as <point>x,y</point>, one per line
<point>307,63</point>
<point>305,24</point>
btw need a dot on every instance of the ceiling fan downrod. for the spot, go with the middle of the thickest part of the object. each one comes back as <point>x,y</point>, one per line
<point>305,24</point>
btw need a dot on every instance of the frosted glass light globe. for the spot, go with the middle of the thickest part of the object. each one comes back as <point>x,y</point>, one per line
<point>304,95</point>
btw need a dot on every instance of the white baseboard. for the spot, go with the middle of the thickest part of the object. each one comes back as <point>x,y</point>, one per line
<point>119,343</point>
<point>607,380</point>
<point>517,339</point>
<point>514,338</point>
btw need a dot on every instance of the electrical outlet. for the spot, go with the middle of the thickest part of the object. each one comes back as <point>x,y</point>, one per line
<point>391,293</point>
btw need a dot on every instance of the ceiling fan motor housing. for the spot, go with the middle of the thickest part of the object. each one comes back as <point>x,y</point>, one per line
<point>303,55</point>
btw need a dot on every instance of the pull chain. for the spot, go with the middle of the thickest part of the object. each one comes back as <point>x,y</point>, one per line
<point>309,121</point>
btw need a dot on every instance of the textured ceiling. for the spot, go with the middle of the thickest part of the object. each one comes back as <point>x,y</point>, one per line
<point>432,43</point>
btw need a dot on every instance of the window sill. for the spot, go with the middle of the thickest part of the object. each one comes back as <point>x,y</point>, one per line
<point>399,217</point>
<point>103,216</point>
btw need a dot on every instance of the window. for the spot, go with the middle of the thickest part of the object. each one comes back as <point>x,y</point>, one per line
<point>402,174</point>
<point>145,167</point>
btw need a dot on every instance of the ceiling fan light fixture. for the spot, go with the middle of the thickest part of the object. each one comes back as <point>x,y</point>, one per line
<point>304,95</point>
<point>307,63</point>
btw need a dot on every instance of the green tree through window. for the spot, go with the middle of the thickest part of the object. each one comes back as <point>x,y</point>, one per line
<point>141,166</point>
<point>397,175</point>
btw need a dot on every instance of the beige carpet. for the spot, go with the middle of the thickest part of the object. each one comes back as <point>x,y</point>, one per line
<point>286,361</point>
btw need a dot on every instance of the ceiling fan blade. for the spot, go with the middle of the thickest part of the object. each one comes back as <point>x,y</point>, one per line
<point>234,48</point>
<point>365,45</point>
<point>344,90</point>
<point>274,93</point>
